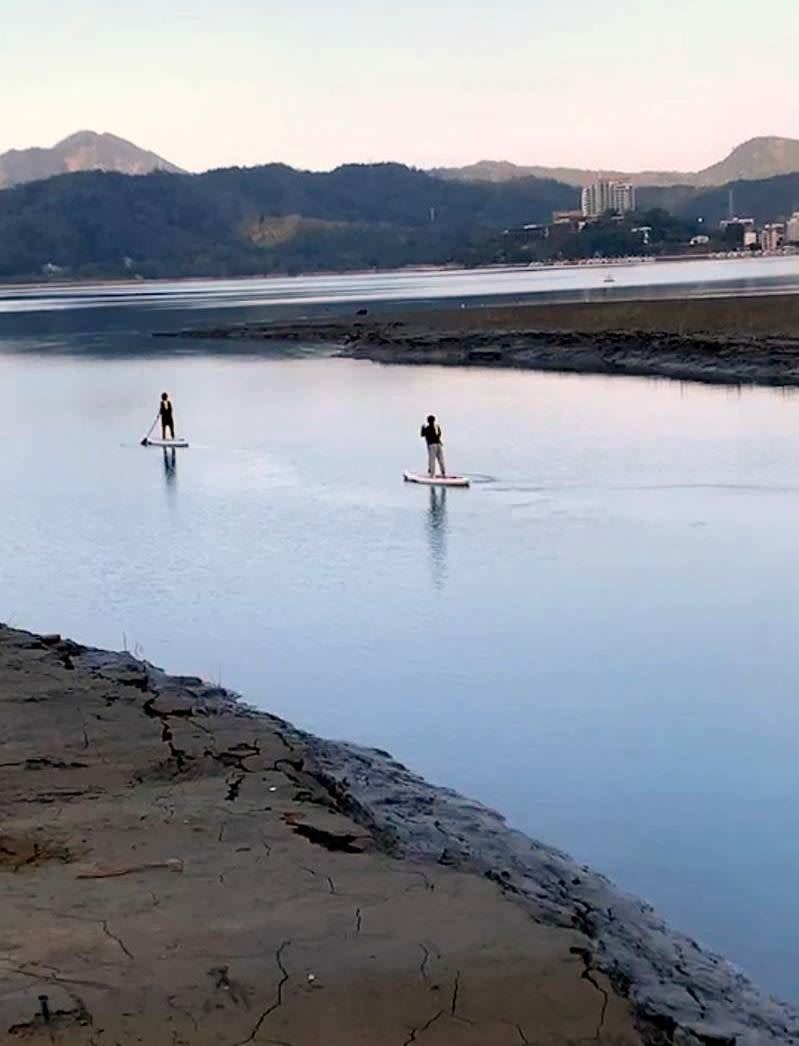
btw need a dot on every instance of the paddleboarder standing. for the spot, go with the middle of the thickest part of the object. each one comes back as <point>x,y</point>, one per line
<point>167,418</point>
<point>431,433</point>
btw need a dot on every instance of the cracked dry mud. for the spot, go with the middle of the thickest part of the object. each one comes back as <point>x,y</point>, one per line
<point>173,872</point>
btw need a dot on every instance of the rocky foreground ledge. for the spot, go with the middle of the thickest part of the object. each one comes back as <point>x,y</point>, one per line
<point>177,868</point>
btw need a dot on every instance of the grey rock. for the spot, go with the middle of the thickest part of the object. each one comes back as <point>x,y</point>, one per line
<point>683,994</point>
<point>673,983</point>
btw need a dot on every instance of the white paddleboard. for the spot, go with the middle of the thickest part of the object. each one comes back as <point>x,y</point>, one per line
<point>165,443</point>
<point>435,481</point>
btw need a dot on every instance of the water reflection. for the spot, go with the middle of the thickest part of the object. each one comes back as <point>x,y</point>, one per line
<point>684,278</point>
<point>437,534</point>
<point>170,469</point>
<point>686,655</point>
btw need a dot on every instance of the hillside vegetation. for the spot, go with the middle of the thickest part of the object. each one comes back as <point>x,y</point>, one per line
<point>278,220</point>
<point>262,219</point>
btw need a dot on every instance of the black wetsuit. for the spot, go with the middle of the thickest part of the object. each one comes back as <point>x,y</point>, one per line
<point>167,421</point>
<point>432,433</point>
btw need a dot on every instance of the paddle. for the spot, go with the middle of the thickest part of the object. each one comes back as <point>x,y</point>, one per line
<point>149,431</point>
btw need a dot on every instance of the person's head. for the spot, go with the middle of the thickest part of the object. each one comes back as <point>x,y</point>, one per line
<point>164,395</point>
<point>431,418</point>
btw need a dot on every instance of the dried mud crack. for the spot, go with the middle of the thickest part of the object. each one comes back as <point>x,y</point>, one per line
<point>205,874</point>
<point>284,977</point>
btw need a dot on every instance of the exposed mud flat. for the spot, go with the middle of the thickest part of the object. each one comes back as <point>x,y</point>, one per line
<point>714,359</point>
<point>743,340</point>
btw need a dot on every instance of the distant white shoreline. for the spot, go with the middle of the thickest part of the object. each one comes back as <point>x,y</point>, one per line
<point>67,283</point>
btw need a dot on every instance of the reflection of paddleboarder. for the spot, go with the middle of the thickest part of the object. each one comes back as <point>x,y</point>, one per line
<point>437,534</point>
<point>431,432</point>
<point>170,464</point>
<point>167,418</point>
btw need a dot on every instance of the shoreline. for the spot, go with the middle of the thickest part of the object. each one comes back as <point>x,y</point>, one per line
<point>578,263</point>
<point>741,340</point>
<point>108,754</point>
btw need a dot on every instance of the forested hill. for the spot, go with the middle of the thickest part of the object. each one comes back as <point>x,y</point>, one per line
<point>278,220</point>
<point>259,220</point>
<point>770,199</point>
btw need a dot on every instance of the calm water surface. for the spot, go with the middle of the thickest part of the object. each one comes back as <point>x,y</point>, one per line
<point>599,638</point>
<point>687,278</point>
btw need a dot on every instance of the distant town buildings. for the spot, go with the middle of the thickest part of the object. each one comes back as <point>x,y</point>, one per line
<point>570,216</point>
<point>603,196</point>
<point>605,227</point>
<point>747,228</point>
<point>745,223</point>
<point>563,225</point>
<point>772,236</point>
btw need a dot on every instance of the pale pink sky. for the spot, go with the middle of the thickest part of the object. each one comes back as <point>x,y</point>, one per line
<point>630,84</point>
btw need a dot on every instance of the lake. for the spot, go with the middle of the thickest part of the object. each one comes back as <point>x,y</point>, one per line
<point>588,281</point>
<point>599,638</point>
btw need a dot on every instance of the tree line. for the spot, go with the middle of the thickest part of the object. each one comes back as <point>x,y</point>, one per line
<point>274,219</point>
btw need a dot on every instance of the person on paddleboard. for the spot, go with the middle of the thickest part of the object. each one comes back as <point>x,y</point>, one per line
<point>167,418</point>
<point>431,433</point>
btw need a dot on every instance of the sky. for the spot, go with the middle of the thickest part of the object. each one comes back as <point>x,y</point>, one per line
<point>630,84</point>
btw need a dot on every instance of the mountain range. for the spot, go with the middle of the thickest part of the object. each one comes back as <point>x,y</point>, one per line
<point>138,215</point>
<point>240,221</point>
<point>754,159</point>
<point>274,219</point>
<point>84,151</point>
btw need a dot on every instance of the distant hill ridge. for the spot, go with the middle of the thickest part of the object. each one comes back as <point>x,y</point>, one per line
<point>274,219</point>
<point>239,221</point>
<point>84,151</point>
<point>753,160</point>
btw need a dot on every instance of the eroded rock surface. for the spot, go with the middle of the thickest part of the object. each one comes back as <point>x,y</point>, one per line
<point>175,872</point>
<point>179,869</point>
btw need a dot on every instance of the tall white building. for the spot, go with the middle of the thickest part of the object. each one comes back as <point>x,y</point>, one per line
<point>623,197</point>
<point>771,236</point>
<point>792,228</point>
<point>603,196</point>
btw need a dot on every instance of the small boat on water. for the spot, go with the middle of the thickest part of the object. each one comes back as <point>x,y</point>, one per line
<point>610,278</point>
